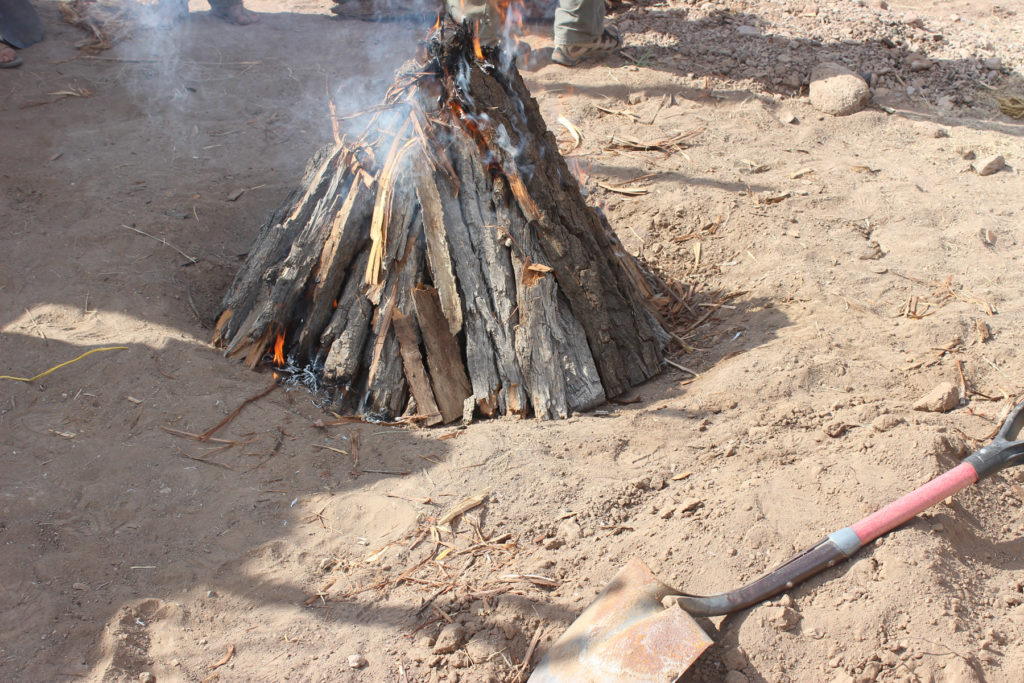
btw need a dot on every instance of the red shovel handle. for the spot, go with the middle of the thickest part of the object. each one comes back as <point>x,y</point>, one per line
<point>919,500</point>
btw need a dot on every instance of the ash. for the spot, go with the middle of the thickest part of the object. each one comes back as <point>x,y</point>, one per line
<point>309,376</point>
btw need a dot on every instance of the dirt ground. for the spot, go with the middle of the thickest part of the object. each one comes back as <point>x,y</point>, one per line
<point>849,265</point>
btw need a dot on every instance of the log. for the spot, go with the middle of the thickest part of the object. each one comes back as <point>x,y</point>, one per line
<point>446,259</point>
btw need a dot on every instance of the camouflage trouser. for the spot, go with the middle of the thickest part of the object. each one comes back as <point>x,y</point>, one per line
<point>576,21</point>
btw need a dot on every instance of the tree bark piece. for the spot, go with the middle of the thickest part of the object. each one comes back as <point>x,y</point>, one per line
<point>444,358</point>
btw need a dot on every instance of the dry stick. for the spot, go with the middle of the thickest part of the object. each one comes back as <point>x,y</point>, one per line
<point>205,462</point>
<point>38,329</point>
<point>162,241</point>
<point>529,652</point>
<point>205,436</point>
<point>199,437</point>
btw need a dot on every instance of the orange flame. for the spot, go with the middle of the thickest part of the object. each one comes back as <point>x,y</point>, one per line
<point>279,350</point>
<point>477,50</point>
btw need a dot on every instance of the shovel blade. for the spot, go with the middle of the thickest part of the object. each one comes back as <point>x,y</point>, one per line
<point>626,635</point>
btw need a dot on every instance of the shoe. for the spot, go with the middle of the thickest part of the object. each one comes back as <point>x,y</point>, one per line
<point>571,55</point>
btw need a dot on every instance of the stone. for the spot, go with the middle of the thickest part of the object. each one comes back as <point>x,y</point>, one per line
<point>990,165</point>
<point>449,639</point>
<point>479,648</point>
<point>735,677</point>
<point>783,618</point>
<point>357,661</point>
<point>734,658</point>
<point>569,530</point>
<point>912,19</point>
<point>836,90</point>
<point>919,63</point>
<point>870,672</point>
<point>884,423</point>
<point>147,677</point>
<point>993,63</point>
<point>747,30</point>
<point>941,399</point>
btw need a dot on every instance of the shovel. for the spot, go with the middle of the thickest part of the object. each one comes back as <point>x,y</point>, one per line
<point>640,630</point>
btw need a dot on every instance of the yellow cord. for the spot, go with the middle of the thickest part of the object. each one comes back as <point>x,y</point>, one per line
<point>58,367</point>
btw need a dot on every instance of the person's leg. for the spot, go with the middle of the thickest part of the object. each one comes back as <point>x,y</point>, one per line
<point>578,21</point>
<point>8,57</point>
<point>580,32</point>
<point>233,12</point>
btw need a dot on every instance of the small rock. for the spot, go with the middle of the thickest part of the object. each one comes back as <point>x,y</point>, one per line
<point>449,639</point>
<point>459,660</point>
<point>667,512</point>
<point>912,19</point>
<point>175,662</point>
<point>553,544</point>
<point>842,677</point>
<point>747,30</point>
<point>993,63</point>
<point>569,530</point>
<point>357,661</point>
<point>734,658</point>
<point>786,116</point>
<point>836,90</point>
<point>884,423</point>
<point>835,428</point>
<point>657,483</point>
<point>941,399</point>
<point>147,677</point>
<point>870,673</point>
<point>79,586</point>
<point>690,506</point>
<point>966,154</point>
<point>735,677</point>
<point>784,618</point>
<point>990,165</point>
<point>919,63</point>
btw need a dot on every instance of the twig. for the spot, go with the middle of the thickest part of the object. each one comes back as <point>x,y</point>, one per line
<point>205,462</point>
<point>39,329</point>
<point>677,366</point>
<point>205,436</point>
<point>529,652</point>
<point>162,241</point>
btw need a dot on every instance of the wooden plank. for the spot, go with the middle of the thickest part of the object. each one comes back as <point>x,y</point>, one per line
<point>415,372</point>
<point>438,256</point>
<point>444,358</point>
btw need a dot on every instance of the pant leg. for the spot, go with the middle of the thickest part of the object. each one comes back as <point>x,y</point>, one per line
<point>483,14</point>
<point>578,21</point>
<point>221,5</point>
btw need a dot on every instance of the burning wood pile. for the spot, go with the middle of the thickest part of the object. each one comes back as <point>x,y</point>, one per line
<point>445,264</point>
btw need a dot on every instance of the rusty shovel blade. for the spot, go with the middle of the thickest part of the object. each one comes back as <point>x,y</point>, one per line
<point>626,635</point>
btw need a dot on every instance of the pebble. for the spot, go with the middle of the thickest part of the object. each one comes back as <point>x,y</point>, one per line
<point>357,661</point>
<point>734,658</point>
<point>836,90</point>
<point>147,677</point>
<point>941,399</point>
<point>747,30</point>
<point>783,618</point>
<point>884,423</point>
<point>449,639</point>
<point>993,63</point>
<point>912,19</point>
<point>690,505</point>
<point>919,63</point>
<point>990,165</point>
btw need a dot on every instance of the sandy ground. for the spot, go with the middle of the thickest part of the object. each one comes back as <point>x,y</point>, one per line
<point>849,266</point>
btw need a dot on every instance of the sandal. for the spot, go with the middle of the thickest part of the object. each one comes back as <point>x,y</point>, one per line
<point>571,55</point>
<point>10,63</point>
